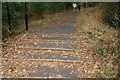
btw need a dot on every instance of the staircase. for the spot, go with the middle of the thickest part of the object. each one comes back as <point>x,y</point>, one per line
<point>52,52</point>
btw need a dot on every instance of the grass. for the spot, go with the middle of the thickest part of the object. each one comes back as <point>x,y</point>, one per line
<point>107,73</point>
<point>108,70</point>
<point>101,50</point>
<point>38,24</point>
<point>101,40</point>
<point>99,35</point>
<point>90,35</point>
<point>35,24</point>
<point>117,36</point>
<point>98,30</point>
<point>93,10</point>
<point>15,30</point>
<point>105,46</point>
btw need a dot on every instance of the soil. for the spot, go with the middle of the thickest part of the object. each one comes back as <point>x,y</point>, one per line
<point>80,62</point>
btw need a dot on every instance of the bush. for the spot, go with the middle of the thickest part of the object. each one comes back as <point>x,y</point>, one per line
<point>111,14</point>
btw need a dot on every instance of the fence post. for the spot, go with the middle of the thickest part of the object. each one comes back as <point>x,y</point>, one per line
<point>26,17</point>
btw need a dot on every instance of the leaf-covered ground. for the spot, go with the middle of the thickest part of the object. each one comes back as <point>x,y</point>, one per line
<point>101,39</point>
<point>95,55</point>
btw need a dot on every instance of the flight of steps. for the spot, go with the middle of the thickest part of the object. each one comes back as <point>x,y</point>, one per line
<point>40,55</point>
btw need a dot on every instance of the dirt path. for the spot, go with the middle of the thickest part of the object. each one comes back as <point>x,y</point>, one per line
<point>60,50</point>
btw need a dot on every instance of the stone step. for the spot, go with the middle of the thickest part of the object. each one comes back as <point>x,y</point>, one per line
<point>50,54</point>
<point>41,41</point>
<point>38,78</point>
<point>52,46</point>
<point>67,30</point>
<point>58,57</point>
<point>54,38</point>
<point>46,69</point>
<point>28,36</point>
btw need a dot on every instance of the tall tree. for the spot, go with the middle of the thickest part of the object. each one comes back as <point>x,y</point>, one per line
<point>8,13</point>
<point>26,17</point>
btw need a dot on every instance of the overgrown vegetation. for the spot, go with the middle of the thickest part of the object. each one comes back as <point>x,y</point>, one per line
<point>101,32</point>
<point>36,10</point>
<point>111,13</point>
<point>108,43</point>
